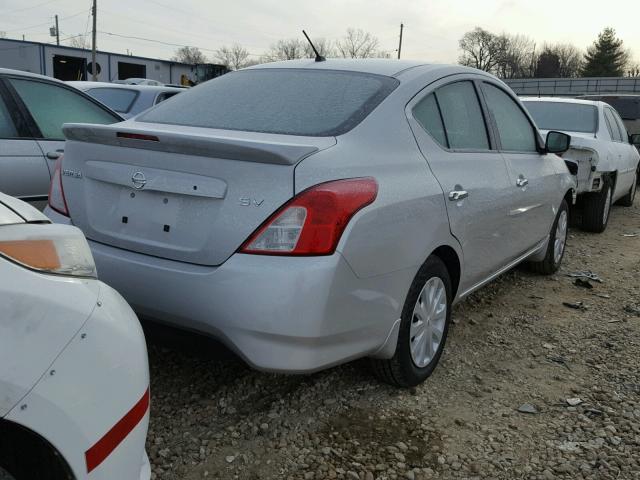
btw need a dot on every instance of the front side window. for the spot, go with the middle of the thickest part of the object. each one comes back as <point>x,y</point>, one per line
<point>51,106</point>
<point>117,99</point>
<point>462,116</point>
<point>514,128</point>
<point>427,114</point>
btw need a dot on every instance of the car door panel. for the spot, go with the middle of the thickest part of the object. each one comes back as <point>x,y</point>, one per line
<point>475,183</point>
<point>533,175</point>
<point>23,170</point>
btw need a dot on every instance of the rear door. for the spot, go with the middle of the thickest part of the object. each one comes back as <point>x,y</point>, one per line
<point>628,158</point>
<point>452,133</point>
<point>23,169</point>
<point>49,105</point>
<point>533,175</point>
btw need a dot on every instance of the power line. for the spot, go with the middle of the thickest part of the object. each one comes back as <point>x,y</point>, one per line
<point>44,23</point>
<point>165,43</point>
<point>29,8</point>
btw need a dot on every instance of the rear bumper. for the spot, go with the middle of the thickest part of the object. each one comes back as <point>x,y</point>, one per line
<point>278,313</point>
<point>90,387</point>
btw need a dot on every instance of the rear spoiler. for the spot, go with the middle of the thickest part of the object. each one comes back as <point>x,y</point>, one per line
<point>218,144</point>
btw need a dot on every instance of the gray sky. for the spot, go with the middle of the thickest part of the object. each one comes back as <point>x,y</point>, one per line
<point>432,27</point>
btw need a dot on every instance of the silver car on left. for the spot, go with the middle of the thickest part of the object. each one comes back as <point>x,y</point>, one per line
<point>33,109</point>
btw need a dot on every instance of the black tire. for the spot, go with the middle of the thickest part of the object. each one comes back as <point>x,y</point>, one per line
<point>627,200</point>
<point>550,264</point>
<point>400,370</point>
<point>594,206</point>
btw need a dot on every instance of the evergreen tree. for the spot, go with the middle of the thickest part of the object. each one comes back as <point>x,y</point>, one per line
<point>606,57</point>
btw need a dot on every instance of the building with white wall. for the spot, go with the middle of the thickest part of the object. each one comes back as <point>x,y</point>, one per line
<point>69,63</point>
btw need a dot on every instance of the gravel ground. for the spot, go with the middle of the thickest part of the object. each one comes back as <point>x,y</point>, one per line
<point>528,388</point>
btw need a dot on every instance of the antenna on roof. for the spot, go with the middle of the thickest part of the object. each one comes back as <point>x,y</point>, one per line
<point>319,58</point>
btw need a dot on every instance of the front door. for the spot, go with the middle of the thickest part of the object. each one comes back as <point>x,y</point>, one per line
<point>452,134</point>
<point>534,178</point>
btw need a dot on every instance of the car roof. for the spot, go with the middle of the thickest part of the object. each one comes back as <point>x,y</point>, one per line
<point>85,85</point>
<point>562,100</point>
<point>21,73</point>
<point>379,66</point>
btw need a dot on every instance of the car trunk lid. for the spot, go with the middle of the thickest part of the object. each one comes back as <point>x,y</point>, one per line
<point>183,193</point>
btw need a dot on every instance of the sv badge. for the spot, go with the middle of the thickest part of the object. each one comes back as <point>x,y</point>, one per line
<point>247,201</point>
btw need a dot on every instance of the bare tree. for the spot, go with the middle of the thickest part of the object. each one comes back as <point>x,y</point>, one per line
<point>357,44</point>
<point>570,58</point>
<point>290,49</point>
<point>517,58</point>
<point>79,41</point>
<point>481,49</point>
<point>191,55</point>
<point>633,70</point>
<point>324,47</point>
<point>234,57</point>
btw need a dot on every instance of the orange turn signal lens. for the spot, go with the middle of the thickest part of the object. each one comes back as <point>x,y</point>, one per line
<point>38,254</point>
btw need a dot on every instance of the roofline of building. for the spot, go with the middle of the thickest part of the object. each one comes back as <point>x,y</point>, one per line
<point>76,49</point>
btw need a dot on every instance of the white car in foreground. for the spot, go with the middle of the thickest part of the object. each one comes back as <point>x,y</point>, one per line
<point>602,155</point>
<point>74,377</point>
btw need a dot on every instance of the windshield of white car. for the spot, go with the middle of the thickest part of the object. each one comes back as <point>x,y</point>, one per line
<point>283,101</point>
<point>570,117</point>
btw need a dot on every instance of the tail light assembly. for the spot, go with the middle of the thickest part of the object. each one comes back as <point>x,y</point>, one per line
<point>57,201</point>
<point>313,221</point>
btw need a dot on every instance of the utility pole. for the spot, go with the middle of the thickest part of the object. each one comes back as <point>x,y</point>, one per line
<point>94,66</point>
<point>58,31</point>
<point>400,44</point>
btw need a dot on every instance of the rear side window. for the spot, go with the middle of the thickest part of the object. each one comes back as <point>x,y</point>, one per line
<point>286,101</point>
<point>7,128</point>
<point>51,106</point>
<point>118,99</point>
<point>427,114</point>
<point>462,116</point>
<point>623,129</point>
<point>515,131</point>
<point>614,130</point>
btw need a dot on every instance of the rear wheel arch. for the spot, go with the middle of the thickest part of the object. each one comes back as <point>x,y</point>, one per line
<point>451,260</point>
<point>27,455</point>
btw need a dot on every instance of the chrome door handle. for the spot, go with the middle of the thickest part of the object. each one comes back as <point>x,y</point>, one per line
<point>456,195</point>
<point>54,155</point>
<point>522,182</point>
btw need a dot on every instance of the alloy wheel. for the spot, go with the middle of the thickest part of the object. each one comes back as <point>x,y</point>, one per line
<point>428,322</point>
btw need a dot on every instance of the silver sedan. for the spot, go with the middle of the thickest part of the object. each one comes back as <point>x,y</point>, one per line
<point>308,213</point>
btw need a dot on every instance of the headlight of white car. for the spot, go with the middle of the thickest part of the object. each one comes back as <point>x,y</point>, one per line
<point>50,248</point>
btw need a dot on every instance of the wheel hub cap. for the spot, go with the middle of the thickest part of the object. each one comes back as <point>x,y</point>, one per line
<point>561,237</point>
<point>428,322</point>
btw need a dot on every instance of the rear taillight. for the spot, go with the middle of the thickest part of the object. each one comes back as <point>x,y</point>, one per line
<point>56,194</point>
<point>313,221</point>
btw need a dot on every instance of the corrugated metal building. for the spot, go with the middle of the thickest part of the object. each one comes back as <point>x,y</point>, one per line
<point>69,63</point>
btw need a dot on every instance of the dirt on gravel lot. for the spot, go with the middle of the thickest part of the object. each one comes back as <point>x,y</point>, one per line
<point>513,346</point>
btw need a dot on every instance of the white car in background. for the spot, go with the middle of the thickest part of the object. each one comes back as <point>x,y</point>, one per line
<point>74,378</point>
<point>602,155</point>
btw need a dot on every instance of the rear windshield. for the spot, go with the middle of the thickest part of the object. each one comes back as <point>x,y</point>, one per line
<point>285,101</point>
<point>118,99</point>
<point>572,117</point>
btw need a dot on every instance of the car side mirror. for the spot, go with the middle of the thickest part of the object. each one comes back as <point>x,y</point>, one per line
<point>557,142</point>
<point>634,139</point>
